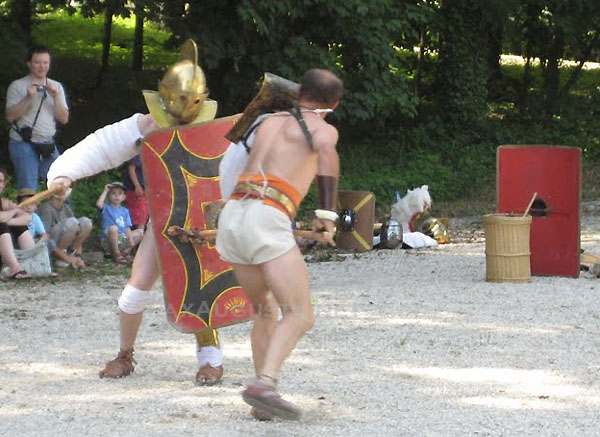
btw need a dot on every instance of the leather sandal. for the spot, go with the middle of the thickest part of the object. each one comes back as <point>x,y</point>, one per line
<point>21,274</point>
<point>209,375</point>
<point>261,415</point>
<point>120,259</point>
<point>265,397</point>
<point>120,366</point>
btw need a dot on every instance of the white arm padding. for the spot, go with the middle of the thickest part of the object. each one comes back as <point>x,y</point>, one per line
<point>102,150</point>
<point>235,160</point>
<point>231,167</point>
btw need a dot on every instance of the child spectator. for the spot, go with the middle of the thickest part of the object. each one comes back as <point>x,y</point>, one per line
<point>116,235</point>
<point>64,228</point>
<point>38,231</point>
<point>135,196</point>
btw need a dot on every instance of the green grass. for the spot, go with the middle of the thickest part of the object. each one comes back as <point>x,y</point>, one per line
<point>74,34</point>
<point>588,80</point>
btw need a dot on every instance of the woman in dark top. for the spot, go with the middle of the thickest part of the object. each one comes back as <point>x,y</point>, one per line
<point>13,225</point>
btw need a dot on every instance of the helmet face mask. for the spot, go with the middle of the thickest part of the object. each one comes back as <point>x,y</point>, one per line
<point>183,90</point>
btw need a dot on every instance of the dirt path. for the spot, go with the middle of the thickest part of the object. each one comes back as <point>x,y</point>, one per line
<point>406,343</point>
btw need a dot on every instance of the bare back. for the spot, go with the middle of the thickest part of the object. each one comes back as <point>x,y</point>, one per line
<point>281,149</point>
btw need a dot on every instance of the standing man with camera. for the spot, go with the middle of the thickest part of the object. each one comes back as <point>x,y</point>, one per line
<point>34,104</point>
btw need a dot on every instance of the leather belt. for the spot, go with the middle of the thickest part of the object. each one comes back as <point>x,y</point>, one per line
<point>256,191</point>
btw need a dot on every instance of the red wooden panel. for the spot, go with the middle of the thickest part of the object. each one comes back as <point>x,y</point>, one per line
<point>554,172</point>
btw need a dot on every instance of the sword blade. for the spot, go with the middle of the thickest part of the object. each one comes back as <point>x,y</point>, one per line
<point>40,196</point>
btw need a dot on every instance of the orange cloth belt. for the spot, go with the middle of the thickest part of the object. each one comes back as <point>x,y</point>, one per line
<point>276,193</point>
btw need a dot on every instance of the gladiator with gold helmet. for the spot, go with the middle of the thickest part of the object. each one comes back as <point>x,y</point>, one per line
<point>181,99</point>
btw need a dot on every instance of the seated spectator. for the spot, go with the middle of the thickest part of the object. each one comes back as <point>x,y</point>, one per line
<point>64,228</point>
<point>135,196</point>
<point>37,230</point>
<point>116,235</point>
<point>13,227</point>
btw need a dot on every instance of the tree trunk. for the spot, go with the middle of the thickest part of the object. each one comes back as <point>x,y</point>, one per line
<point>573,76</point>
<point>20,14</point>
<point>494,70</point>
<point>420,60</point>
<point>552,75</point>
<point>523,94</point>
<point>138,39</point>
<point>106,38</point>
<point>461,75</point>
<point>174,11</point>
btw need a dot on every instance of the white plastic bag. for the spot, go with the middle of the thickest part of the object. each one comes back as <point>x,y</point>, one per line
<point>35,260</point>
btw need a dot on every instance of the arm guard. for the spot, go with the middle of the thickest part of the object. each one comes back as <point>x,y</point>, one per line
<point>327,187</point>
<point>106,148</point>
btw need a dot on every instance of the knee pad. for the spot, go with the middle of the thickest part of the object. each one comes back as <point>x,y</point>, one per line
<point>133,300</point>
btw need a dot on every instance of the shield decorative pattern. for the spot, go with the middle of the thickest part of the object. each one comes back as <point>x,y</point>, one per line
<point>181,169</point>
<point>361,237</point>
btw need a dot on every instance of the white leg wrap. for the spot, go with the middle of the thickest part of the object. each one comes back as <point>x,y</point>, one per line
<point>133,300</point>
<point>209,355</point>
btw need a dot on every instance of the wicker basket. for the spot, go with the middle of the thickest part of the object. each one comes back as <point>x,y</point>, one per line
<point>507,253</point>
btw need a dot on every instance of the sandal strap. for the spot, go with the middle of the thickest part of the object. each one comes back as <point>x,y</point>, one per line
<point>264,376</point>
<point>20,272</point>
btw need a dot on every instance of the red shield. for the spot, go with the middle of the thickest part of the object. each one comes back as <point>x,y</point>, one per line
<point>181,167</point>
<point>554,173</point>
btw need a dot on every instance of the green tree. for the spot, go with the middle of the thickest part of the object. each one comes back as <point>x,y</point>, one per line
<point>138,36</point>
<point>461,73</point>
<point>554,30</point>
<point>240,40</point>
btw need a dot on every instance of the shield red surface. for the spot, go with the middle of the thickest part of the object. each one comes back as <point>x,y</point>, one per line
<point>181,168</point>
<point>554,173</point>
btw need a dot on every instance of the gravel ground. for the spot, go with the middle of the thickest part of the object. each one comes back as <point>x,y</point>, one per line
<point>411,343</point>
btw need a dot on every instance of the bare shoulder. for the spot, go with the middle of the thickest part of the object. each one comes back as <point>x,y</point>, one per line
<point>325,137</point>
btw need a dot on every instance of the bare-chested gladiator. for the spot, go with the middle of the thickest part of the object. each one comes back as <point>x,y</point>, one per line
<point>255,235</point>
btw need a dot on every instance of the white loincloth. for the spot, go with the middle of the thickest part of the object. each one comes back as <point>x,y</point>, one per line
<point>106,148</point>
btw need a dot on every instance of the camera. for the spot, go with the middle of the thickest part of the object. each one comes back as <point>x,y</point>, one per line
<point>41,88</point>
<point>25,132</point>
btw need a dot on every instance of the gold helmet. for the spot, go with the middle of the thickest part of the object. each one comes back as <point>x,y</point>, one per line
<point>182,93</point>
<point>437,229</point>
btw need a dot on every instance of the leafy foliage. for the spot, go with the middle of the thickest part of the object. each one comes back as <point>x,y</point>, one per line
<point>406,119</point>
<point>353,38</point>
